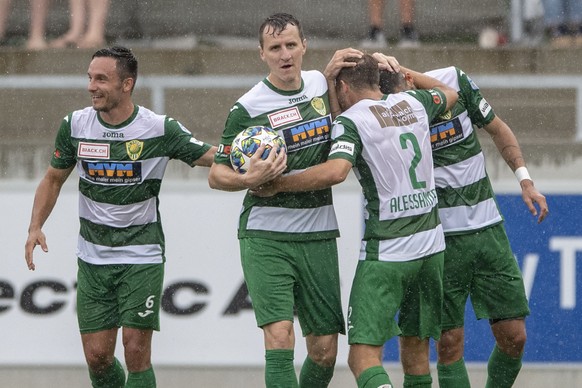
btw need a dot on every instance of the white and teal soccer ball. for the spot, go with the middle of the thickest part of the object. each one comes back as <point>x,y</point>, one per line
<point>246,143</point>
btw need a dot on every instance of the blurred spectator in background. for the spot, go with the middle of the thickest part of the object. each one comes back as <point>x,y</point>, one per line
<point>563,19</point>
<point>38,13</point>
<point>77,36</point>
<point>4,9</point>
<point>376,39</point>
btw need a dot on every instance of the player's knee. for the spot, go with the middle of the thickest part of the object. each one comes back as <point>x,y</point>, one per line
<point>515,343</point>
<point>324,356</point>
<point>450,347</point>
<point>98,362</point>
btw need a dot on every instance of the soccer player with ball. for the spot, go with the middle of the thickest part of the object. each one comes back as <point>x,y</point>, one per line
<point>397,287</point>
<point>287,242</point>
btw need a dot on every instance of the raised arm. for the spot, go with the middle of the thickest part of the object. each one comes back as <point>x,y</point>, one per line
<point>423,81</point>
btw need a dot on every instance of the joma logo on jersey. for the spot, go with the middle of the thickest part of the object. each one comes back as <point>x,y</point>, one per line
<point>297,99</point>
<point>308,134</point>
<point>113,172</point>
<point>444,134</point>
<point>113,135</point>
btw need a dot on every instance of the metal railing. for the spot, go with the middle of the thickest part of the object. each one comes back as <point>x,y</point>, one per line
<point>158,85</point>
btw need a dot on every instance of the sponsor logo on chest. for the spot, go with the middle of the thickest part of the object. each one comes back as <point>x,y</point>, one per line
<point>283,117</point>
<point>93,150</point>
<point>446,133</point>
<point>308,133</point>
<point>112,173</point>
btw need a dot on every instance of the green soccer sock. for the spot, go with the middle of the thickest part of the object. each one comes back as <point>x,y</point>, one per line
<point>454,375</point>
<point>417,381</point>
<point>314,375</point>
<point>143,379</point>
<point>112,377</point>
<point>502,370</point>
<point>374,377</point>
<point>279,369</point>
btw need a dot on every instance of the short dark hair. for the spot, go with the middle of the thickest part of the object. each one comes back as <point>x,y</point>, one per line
<point>365,75</point>
<point>126,61</point>
<point>278,22</point>
<point>392,82</point>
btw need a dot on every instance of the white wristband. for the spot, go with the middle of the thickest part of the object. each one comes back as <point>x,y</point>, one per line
<point>521,174</point>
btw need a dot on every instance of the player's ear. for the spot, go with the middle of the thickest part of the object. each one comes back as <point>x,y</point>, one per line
<point>304,43</point>
<point>128,84</point>
<point>409,80</point>
<point>261,53</point>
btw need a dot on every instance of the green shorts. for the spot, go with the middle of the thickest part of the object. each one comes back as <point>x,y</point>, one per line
<point>482,265</point>
<point>118,295</point>
<point>381,290</point>
<point>287,276</point>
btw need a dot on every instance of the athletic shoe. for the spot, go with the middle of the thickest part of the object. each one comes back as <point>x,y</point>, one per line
<point>378,41</point>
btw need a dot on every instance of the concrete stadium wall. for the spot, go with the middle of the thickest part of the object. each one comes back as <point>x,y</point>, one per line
<point>333,18</point>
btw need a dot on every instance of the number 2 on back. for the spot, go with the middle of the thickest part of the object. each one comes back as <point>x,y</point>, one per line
<point>405,138</point>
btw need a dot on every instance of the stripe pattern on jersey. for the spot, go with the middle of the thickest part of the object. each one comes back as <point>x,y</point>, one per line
<point>302,118</point>
<point>120,172</point>
<point>466,197</point>
<point>393,162</point>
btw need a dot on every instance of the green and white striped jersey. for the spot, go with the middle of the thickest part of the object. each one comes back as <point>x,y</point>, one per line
<point>302,118</point>
<point>466,198</point>
<point>120,173</point>
<point>388,144</point>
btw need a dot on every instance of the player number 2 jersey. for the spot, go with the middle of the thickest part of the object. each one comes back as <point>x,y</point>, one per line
<point>388,144</point>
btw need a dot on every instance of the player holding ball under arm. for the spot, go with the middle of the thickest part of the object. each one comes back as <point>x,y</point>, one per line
<point>385,140</point>
<point>288,242</point>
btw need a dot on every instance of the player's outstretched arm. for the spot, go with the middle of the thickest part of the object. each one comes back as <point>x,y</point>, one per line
<point>44,201</point>
<point>318,177</point>
<point>206,159</point>
<point>509,148</point>
<point>223,177</point>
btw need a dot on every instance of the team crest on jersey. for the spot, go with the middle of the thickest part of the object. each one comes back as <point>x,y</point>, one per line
<point>319,105</point>
<point>134,149</point>
<point>447,115</point>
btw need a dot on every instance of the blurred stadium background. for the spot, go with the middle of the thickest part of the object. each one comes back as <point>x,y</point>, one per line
<point>196,58</point>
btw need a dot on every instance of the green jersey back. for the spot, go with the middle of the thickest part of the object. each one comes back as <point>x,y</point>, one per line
<point>388,144</point>
<point>302,118</point>
<point>120,173</point>
<point>466,198</point>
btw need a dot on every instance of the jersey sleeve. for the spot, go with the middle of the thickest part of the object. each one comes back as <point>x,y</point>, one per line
<point>346,142</point>
<point>433,100</point>
<point>181,144</point>
<point>65,154</point>
<point>237,120</point>
<point>480,112</point>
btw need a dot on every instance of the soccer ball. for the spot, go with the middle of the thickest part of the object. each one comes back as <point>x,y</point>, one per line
<point>246,143</point>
